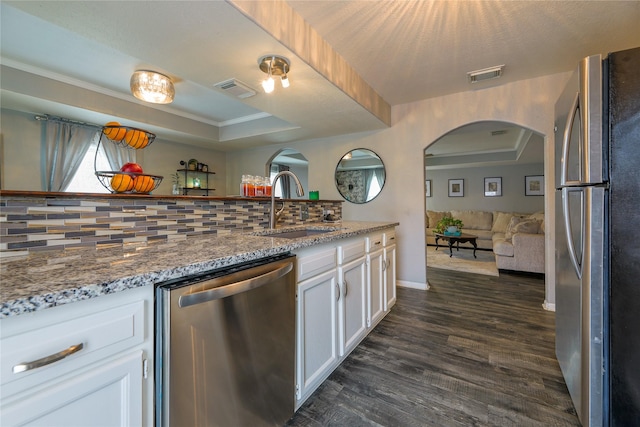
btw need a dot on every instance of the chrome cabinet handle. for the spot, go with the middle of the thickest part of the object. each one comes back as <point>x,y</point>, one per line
<point>27,366</point>
<point>346,288</point>
<point>337,292</point>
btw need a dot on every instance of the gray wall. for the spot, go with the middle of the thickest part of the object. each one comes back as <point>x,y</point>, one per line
<point>512,200</point>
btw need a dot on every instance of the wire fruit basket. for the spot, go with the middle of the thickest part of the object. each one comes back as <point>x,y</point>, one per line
<point>128,137</point>
<point>128,182</point>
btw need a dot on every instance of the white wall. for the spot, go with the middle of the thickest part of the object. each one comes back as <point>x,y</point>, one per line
<point>527,103</point>
<point>513,198</point>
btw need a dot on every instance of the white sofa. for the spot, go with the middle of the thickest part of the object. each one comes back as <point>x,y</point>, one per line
<point>517,239</point>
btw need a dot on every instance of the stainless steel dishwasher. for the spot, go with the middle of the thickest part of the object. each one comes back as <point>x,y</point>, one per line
<point>225,346</point>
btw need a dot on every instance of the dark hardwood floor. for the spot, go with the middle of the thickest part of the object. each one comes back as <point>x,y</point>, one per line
<point>471,351</point>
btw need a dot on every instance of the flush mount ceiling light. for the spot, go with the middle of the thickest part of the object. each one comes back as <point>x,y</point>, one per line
<point>152,87</point>
<point>485,74</point>
<point>274,65</point>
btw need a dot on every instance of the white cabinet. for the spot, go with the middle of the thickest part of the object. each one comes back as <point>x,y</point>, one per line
<point>109,395</point>
<point>375,280</point>
<point>352,304</point>
<point>80,363</point>
<point>389,240</point>
<point>342,292</point>
<point>316,332</point>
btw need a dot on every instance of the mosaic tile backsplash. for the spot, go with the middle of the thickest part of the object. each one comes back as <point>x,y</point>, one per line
<point>44,223</point>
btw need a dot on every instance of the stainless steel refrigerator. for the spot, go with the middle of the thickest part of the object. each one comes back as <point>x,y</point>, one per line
<point>597,254</point>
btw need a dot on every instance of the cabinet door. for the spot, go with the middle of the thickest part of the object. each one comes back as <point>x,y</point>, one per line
<point>107,395</point>
<point>375,287</point>
<point>316,332</point>
<point>352,307</point>
<point>389,276</point>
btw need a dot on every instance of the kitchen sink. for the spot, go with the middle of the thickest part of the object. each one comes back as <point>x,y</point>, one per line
<point>294,234</point>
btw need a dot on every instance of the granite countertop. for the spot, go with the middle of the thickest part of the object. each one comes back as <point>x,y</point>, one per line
<point>47,279</point>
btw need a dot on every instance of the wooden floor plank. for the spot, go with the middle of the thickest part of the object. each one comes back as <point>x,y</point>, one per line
<point>471,351</point>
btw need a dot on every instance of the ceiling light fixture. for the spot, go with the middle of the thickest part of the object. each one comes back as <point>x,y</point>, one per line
<point>485,74</point>
<point>152,87</point>
<point>274,65</point>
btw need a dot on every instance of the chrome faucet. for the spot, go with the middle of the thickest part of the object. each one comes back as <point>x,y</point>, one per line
<point>273,217</point>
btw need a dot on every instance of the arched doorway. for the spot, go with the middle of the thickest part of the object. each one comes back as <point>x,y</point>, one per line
<point>478,172</point>
<point>291,160</point>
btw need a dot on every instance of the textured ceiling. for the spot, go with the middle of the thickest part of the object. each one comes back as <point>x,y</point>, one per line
<point>412,50</point>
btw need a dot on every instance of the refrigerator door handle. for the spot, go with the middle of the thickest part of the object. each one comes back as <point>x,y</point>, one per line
<point>567,227</point>
<point>565,140</point>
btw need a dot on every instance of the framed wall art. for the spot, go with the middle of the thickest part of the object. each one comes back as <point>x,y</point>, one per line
<point>427,187</point>
<point>493,187</point>
<point>456,188</point>
<point>534,185</point>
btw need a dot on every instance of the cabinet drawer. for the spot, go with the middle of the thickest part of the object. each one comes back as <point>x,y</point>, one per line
<point>350,251</point>
<point>316,262</point>
<point>34,356</point>
<point>374,242</point>
<point>107,395</point>
<point>389,237</point>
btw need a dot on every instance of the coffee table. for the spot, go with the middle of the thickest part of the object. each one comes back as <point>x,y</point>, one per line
<point>462,238</point>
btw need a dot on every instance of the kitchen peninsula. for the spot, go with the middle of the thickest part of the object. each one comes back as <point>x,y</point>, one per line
<point>78,316</point>
<point>46,279</point>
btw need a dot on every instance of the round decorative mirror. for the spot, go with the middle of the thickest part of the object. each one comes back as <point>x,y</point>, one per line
<point>360,176</point>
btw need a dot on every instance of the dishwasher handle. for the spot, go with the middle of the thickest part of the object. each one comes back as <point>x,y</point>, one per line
<point>233,288</point>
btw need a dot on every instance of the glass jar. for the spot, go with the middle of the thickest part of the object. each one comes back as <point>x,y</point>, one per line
<point>251,187</point>
<point>259,186</point>
<point>267,186</point>
<point>244,186</point>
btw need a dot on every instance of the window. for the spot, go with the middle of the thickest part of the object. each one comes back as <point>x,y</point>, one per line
<point>85,179</point>
<point>374,187</point>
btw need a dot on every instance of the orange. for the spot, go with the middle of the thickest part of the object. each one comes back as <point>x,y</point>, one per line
<point>114,133</point>
<point>136,138</point>
<point>121,183</point>
<point>143,183</point>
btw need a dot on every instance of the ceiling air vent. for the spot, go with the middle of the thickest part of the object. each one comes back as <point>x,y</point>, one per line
<point>235,88</point>
<point>485,74</point>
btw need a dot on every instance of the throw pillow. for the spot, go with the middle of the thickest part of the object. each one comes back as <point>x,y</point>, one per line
<point>474,220</point>
<point>538,216</point>
<point>501,221</point>
<point>527,226</point>
<point>515,220</point>
<point>435,217</point>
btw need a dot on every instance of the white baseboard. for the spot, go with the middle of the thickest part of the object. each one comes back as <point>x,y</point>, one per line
<point>549,306</point>
<point>412,285</point>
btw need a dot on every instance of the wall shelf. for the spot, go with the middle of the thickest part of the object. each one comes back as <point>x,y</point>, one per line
<point>189,177</point>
